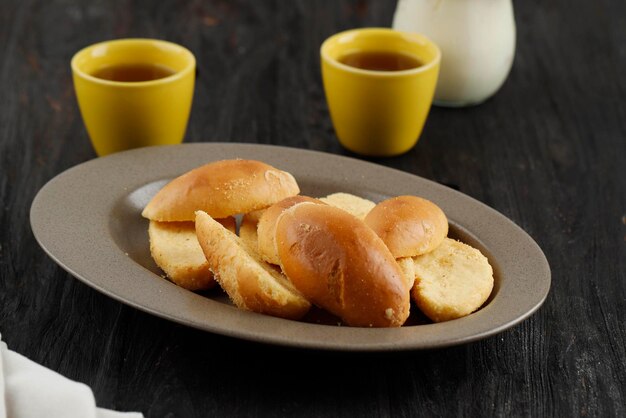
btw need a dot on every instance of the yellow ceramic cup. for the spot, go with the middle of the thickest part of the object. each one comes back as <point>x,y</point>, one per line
<point>122,115</point>
<point>379,113</point>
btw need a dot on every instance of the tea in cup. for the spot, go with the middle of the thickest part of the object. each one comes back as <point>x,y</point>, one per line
<point>379,86</point>
<point>134,92</point>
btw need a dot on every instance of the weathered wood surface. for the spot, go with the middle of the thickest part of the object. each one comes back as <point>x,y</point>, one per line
<point>549,151</point>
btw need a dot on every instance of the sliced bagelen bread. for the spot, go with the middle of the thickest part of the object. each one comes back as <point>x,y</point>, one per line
<point>354,205</point>
<point>250,283</point>
<point>248,229</point>
<point>451,281</point>
<point>175,249</point>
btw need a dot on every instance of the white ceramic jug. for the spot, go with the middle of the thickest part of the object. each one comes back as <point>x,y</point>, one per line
<point>477,41</point>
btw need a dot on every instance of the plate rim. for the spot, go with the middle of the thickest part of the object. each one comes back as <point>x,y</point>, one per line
<point>387,338</point>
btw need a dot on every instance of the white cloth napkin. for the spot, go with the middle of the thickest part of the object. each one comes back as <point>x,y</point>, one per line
<point>29,390</point>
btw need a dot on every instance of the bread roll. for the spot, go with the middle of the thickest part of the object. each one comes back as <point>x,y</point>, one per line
<point>266,228</point>
<point>451,281</point>
<point>221,189</point>
<point>409,225</point>
<point>175,249</point>
<point>352,204</point>
<point>341,265</point>
<point>249,282</point>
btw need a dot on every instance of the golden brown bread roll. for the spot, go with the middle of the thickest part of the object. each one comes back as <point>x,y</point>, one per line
<point>341,265</point>
<point>451,281</point>
<point>175,249</point>
<point>409,225</point>
<point>266,228</point>
<point>250,283</point>
<point>222,188</point>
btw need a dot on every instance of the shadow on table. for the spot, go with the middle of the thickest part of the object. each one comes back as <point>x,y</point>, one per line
<point>285,380</point>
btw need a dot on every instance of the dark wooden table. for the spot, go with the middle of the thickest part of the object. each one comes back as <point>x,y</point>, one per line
<point>548,151</point>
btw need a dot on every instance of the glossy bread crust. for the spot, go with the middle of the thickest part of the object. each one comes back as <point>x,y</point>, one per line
<point>340,264</point>
<point>222,188</point>
<point>409,225</point>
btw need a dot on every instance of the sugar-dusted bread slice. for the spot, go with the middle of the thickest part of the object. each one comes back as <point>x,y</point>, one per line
<point>249,282</point>
<point>267,226</point>
<point>354,205</point>
<point>451,281</point>
<point>409,225</point>
<point>175,249</point>
<point>222,188</point>
<point>408,269</point>
<point>248,229</point>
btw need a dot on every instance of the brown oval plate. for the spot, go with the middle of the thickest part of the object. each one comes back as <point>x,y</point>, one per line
<point>88,219</point>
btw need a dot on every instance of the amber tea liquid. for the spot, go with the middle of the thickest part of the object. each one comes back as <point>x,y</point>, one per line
<point>133,72</point>
<point>380,61</point>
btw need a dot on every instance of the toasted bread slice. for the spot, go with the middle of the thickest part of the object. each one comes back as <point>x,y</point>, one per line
<point>249,282</point>
<point>408,269</point>
<point>248,229</point>
<point>451,281</point>
<point>354,205</point>
<point>175,249</point>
